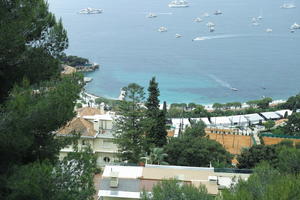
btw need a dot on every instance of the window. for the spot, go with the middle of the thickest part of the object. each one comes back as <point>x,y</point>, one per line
<point>106,159</point>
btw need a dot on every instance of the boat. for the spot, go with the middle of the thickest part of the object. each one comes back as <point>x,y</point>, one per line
<point>211,29</point>
<point>210,24</point>
<point>90,11</point>
<point>178,4</point>
<point>218,12</point>
<point>259,17</point>
<point>198,19</point>
<point>162,29</point>
<point>178,35</point>
<point>199,38</point>
<point>234,89</point>
<point>269,30</point>
<point>205,15</point>
<point>295,26</point>
<point>287,6</point>
<point>151,15</point>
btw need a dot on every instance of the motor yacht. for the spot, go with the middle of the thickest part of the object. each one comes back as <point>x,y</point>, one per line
<point>178,35</point>
<point>151,15</point>
<point>198,19</point>
<point>218,12</point>
<point>295,26</point>
<point>288,6</point>
<point>162,29</point>
<point>210,24</point>
<point>178,4</point>
<point>269,30</point>
<point>90,11</point>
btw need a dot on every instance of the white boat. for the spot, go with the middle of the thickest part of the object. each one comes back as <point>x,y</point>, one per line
<point>199,38</point>
<point>178,35</point>
<point>210,24</point>
<point>218,12</point>
<point>269,30</point>
<point>259,17</point>
<point>90,11</point>
<point>295,26</point>
<point>288,6</point>
<point>151,15</point>
<point>211,29</point>
<point>162,29</point>
<point>234,89</point>
<point>205,15</point>
<point>198,19</point>
<point>178,4</point>
<point>255,23</point>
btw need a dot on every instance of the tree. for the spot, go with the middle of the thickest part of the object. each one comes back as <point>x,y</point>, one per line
<point>156,120</point>
<point>69,179</point>
<point>289,160</point>
<point>293,103</point>
<point>249,158</point>
<point>31,41</point>
<point>293,125</point>
<point>264,103</point>
<point>130,124</point>
<point>265,183</point>
<point>157,156</point>
<point>171,189</point>
<point>198,152</point>
<point>269,124</point>
<point>197,129</point>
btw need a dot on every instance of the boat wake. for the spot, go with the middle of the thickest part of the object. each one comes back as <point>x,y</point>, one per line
<point>168,13</point>
<point>221,82</point>
<point>218,37</point>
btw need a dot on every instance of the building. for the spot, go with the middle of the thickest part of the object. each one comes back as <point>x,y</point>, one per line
<point>220,121</point>
<point>270,116</point>
<point>238,120</point>
<point>96,132</point>
<point>127,182</point>
<point>254,119</point>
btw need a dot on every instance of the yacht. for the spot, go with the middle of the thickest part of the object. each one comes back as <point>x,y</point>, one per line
<point>211,29</point>
<point>162,29</point>
<point>198,19</point>
<point>210,24</point>
<point>259,17</point>
<point>178,35</point>
<point>90,11</point>
<point>151,15</point>
<point>178,4</point>
<point>288,6</point>
<point>218,12</point>
<point>205,15</point>
<point>199,38</point>
<point>234,89</point>
<point>269,30</point>
<point>295,26</point>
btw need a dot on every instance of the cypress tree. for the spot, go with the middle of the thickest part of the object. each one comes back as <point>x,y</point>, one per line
<point>156,126</point>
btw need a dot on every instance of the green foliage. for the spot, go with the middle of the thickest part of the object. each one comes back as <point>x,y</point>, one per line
<point>289,160</point>
<point>69,179</point>
<point>249,158</point>
<point>130,126</point>
<point>197,129</point>
<point>79,105</point>
<point>293,125</point>
<point>73,60</point>
<point>31,40</point>
<point>293,103</point>
<point>269,124</point>
<point>156,156</point>
<point>173,190</point>
<point>156,133</point>
<point>261,103</point>
<point>266,183</point>
<point>198,152</point>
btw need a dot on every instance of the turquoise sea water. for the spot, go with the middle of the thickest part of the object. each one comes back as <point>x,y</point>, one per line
<point>130,49</point>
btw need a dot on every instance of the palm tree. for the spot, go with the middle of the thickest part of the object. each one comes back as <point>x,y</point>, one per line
<point>157,156</point>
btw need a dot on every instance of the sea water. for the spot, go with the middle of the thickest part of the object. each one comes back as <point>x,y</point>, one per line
<point>129,48</point>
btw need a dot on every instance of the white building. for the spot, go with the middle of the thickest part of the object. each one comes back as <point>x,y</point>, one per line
<point>220,121</point>
<point>270,115</point>
<point>238,120</point>
<point>254,118</point>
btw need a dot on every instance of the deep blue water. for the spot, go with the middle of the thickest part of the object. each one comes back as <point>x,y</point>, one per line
<point>130,49</point>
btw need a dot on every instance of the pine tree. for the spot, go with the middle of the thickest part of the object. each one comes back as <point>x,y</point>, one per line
<point>156,119</point>
<point>129,125</point>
